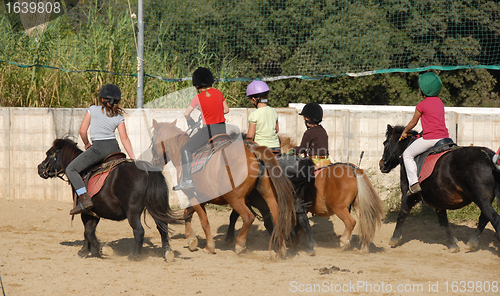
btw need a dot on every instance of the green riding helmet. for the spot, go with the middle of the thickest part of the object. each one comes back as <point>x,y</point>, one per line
<point>430,84</point>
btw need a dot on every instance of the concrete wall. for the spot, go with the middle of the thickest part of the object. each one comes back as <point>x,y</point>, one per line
<point>27,133</point>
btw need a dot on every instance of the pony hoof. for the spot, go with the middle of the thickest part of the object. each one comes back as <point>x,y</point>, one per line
<point>83,253</point>
<point>311,253</point>
<point>394,241</point>
<point>239,249</point>
<point>134,258</point>
<point>454,249</point>
<point>282,253</point>
<point>169,256</point>
<point>192,243</point>
<point>471,246</point>
<point>107,251</point>
<point>209,251</point>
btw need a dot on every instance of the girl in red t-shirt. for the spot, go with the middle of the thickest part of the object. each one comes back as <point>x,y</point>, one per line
<point>431,110</point>
<point>213,106</point>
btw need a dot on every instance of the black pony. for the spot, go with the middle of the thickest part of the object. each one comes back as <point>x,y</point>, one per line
<point>461,176</point>
<point>126,192</point>
<point>300,171</point>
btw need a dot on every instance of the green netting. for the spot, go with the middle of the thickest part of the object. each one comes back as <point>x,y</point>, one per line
<point>242,40</point>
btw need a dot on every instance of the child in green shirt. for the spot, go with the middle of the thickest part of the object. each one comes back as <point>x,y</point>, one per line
<point>262,123</point>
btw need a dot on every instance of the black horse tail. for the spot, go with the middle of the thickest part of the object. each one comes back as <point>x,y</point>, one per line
<point>284,198</point>
<point>157,201</point>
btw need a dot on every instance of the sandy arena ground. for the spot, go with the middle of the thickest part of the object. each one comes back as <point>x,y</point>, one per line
<point>39,245</point>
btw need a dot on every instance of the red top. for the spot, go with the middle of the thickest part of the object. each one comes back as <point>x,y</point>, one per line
<point>211,105</point>
<point>433,123</point>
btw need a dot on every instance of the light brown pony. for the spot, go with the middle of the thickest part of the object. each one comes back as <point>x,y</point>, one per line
<point>338,186</point>
<point>273,186</point>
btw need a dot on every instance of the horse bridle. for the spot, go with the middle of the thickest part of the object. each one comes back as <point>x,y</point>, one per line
<point>157,157</point>
<point>45,166</point>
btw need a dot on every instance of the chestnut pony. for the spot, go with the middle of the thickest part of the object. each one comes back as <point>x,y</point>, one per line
<point>333,191</point>
<point>461,176</point>
<point>129,189</point>
<point>240,170</point>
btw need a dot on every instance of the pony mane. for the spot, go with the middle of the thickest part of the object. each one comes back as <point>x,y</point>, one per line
<point>64,142</point>
<point>68,149</point>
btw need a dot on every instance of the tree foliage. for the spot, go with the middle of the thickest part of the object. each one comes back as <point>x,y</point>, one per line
<point>320,40</point>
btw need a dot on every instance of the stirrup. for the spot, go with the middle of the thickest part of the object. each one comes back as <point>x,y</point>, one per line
<point>184,184</point>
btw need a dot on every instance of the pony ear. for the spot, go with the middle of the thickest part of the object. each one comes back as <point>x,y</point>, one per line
<point>155,124</point>
<point>174,122</point>
<point>389,129</point>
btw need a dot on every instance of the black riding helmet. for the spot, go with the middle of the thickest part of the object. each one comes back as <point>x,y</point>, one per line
<point>313,111</point>
<point>111,93</point>
<point>202,77</point>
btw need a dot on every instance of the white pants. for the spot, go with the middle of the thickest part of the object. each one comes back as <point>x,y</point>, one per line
<point>420,145</point>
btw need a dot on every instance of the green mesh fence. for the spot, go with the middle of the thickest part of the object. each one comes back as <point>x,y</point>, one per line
<point>246,39</point>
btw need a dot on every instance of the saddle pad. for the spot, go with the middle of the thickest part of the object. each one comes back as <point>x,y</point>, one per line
<point>429,164</point>
<point>97,177</point>
<point>96,182</point>
<point>202,155</point>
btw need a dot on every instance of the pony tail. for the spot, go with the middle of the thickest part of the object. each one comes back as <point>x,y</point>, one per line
<point>369,208</point>
<point>284,191</point>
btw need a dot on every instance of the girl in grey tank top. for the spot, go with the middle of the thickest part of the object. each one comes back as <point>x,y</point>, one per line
<point>102,121</point>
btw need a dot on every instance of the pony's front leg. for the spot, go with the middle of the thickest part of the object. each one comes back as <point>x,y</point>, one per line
<point>407,203</point>
<point>192,240</point>
<point>303,222</point>
<point>93,246</point>
<point>443,222</point>
<point>232,224</point>
<point>202,215</point>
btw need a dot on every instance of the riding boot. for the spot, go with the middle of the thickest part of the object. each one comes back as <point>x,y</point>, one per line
<point>186,180</point>
<point>84,204</point>
<point>414,189</point>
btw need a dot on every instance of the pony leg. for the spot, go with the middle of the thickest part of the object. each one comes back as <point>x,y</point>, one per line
<point>407,203</point>
<point>202,215</point>
<point>303,221</point>
<point>248,218</point>
<point>232,224</point>
<point>91,243</point>
<point>168,254</point>
<point>473,242</point>
<point>491,215</point>
<point>135,223</point>
<point>349,222</point>
<point>191,238</point>
<point>443,222</point>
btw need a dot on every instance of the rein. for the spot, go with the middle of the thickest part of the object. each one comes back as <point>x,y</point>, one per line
<point>60,174</point>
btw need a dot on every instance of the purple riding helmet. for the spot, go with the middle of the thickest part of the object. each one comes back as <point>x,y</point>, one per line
<point>258,90</point>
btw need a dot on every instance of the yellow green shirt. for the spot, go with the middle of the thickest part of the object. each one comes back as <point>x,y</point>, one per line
<point>265,119</point>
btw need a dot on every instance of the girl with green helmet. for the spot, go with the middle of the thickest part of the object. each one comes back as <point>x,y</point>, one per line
<point>431,111</point>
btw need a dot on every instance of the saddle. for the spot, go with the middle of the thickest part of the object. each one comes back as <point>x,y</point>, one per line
<point>96,176</point>
<point>427,160</point>
<point>203,154</point>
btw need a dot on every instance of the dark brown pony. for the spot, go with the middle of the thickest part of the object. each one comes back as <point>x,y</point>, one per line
<point>335,189</point>
<point>461,176</point>
<point>128,190</point>
<point>267,180</point>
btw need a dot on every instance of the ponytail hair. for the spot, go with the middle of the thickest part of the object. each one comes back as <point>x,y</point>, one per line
<point>112,109</point>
